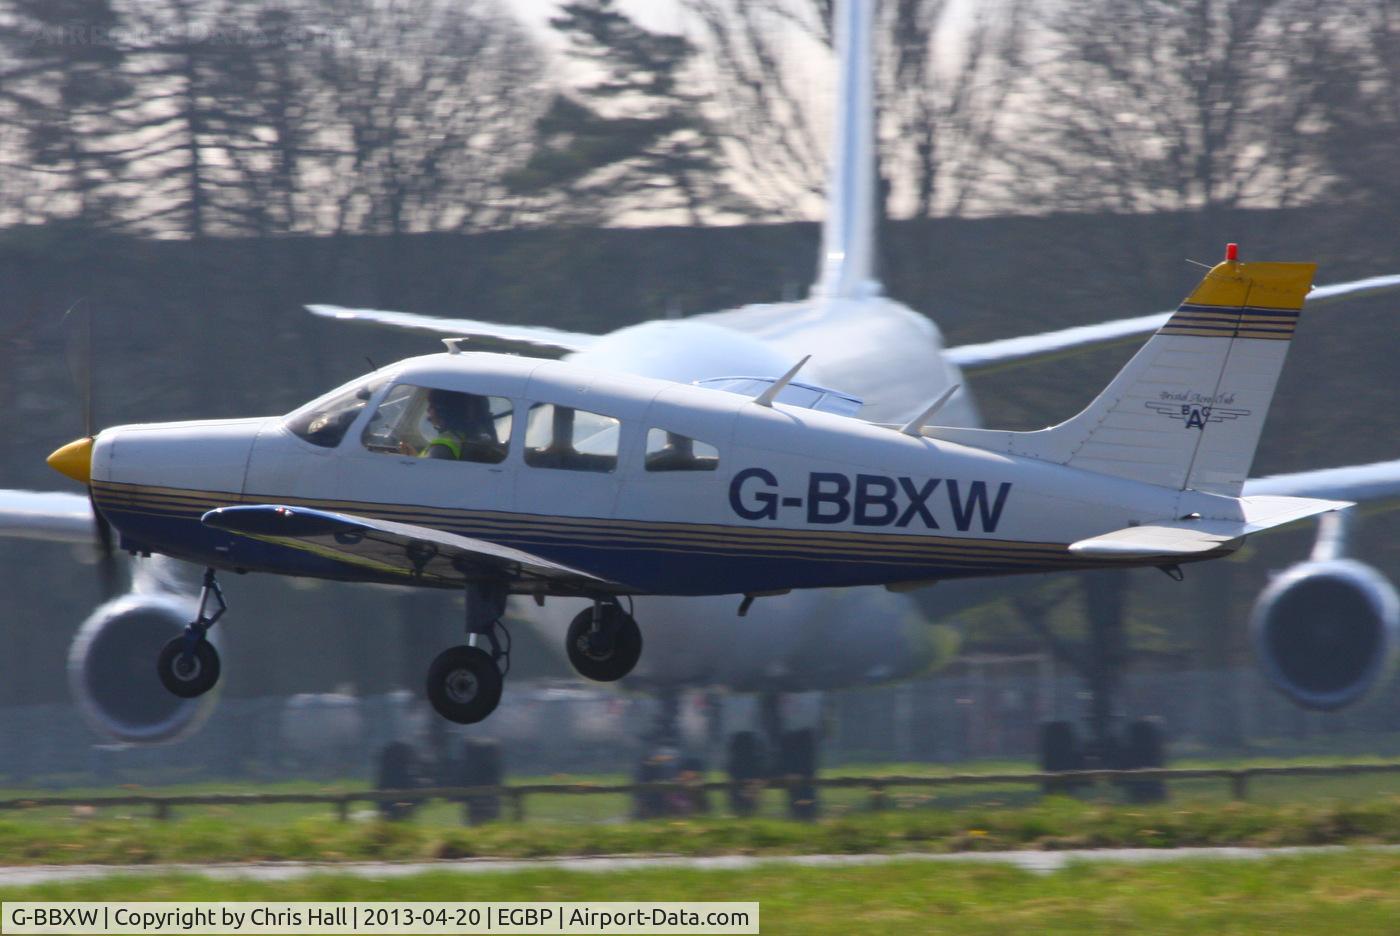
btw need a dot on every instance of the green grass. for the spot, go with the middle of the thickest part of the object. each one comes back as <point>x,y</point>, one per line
<point>1055,823</point>
<point>1349,892</point>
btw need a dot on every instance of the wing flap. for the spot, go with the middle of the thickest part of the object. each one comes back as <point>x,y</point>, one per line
<point>528,340</point>
<point>400,549</point>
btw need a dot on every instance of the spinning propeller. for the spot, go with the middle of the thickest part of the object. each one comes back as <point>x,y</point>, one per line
<point>75,459</point>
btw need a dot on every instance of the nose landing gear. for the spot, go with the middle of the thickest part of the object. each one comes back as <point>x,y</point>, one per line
<point>464,684</point>
<point>604,642</point>
<point>188,665</point>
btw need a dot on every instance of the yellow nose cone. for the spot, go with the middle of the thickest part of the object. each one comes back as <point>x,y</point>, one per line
<point>74,460</point>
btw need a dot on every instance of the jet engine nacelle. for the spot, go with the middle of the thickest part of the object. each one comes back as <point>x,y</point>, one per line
<point>112,671</point>
<point>1325,631</point>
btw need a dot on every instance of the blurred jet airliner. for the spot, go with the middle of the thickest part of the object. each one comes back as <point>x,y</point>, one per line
<point>889,365</point>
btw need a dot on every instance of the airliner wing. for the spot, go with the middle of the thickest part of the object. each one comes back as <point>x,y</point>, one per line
<point>529,340</point>
<point>1376,485</point>
<point>408,550</point>
<point>47,515</point>
<point>990,356</point>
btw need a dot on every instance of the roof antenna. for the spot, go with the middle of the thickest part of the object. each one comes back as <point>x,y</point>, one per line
<point>914,426</point>
<point>767,397</point>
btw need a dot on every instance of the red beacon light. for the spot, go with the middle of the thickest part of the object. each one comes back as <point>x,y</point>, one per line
<point>1232,252</point>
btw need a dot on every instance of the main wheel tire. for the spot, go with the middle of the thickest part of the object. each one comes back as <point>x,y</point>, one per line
<point>188,675</point>
<point>611,652</point>
<point>464,684</point>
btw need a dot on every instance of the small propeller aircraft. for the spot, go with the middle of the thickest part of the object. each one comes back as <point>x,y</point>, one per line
<point>505,475</point>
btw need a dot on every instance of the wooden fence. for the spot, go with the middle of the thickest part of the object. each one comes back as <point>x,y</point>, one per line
<point>877,787</point>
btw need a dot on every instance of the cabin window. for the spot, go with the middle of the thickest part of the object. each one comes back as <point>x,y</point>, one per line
<point>671,451</point>
<point>324,422</point>
<point>572,439</point>
<point>441,424</point>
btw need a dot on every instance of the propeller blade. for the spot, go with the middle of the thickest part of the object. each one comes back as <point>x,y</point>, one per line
<point>79,355</point>
<point>80,368</point>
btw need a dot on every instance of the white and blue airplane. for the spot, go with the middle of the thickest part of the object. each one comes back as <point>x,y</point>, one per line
<point>876,350</point>
<point>501,475</point>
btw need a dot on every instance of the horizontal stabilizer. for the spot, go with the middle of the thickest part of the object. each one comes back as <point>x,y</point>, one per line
<point>399,549</point>
<point>528,340</point>
<point>1181,538</point>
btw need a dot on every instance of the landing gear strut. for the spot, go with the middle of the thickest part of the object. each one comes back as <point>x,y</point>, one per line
<point>465,682</point>
<point>188,665</point>
<point>604,642</point>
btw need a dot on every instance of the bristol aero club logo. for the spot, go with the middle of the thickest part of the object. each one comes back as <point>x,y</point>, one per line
<point>1194,410</point>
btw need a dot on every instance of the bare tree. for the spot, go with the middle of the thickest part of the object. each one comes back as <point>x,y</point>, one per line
<point>62,76</point>
<point>944,81</point>
<point>633,141</point>
<point>208,117</point>
<point>1361,67</point>
<point>433,104</point>
<point>947,86</point>
<point>772,141</point>
<point>1175,105</point>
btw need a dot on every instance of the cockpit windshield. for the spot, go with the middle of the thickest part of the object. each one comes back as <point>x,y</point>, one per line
<point>325,421</point>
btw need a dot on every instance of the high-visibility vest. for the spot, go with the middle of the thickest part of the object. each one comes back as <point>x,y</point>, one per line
<point>450,440</point>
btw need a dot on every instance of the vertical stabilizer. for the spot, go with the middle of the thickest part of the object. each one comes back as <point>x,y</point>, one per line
<point>848,235</point>
<point>1187,410</point>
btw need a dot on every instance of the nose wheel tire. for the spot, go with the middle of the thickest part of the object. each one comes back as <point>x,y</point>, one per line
<point>464,684</point>
<point>606,653</point>
<point>188,671</point>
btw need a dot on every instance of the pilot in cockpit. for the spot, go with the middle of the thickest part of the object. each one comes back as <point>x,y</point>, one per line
<point>464,426</point>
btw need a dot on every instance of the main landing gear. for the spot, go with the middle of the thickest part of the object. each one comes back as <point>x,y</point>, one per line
<point>189,665</point>
<point>604,642</point>
<point>465,682</point>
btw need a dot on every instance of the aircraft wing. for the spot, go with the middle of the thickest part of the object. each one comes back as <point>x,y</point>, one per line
<point>401,549</point>
<point>990,356</point>
<point>529,340</point>
<point>47,515</point>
